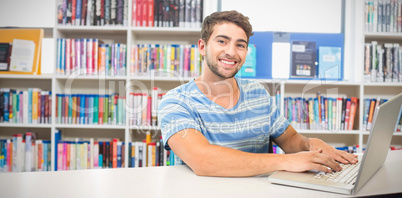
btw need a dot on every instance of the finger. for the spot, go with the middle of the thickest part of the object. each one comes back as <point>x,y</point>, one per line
<point>351,158</point>
<point>328,161</point>
<point>321,168</point>
<point>340,156</point>
<point>346,158</point>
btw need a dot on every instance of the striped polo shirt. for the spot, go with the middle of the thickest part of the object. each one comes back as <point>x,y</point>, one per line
<point>246,127</point>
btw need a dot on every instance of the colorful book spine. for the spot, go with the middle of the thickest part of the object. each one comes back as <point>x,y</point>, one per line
<point>180,13</point>
<point>30,106</point>
<point>24,155</point>
<point>90,109</point>
<point>96,109</point>
<point>168,60</point>
<point>94,12</point>
<point>304,114</point>
<point>89,56</point>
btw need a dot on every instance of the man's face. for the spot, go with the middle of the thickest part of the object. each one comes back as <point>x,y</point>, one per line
<point>226,50</point>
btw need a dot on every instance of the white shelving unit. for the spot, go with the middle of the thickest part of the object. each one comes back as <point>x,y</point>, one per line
<point>378,89</point>
<point>127,84</point>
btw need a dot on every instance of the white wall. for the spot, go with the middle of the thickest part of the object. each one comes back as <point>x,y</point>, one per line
<point>27,13</point>
<point>322,16</point>
<point>315,16</point>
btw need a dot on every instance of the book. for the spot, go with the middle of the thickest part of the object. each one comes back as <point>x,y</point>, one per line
<point>57,138</point>
<point>329,63</point>
<point>73,11</point>
<point>150,13</point>
<point>371,114</point>
<point>249,68</point>
<point>395,62</point>
<point>303,64</point>
<point>347,114</point>
<point>305,113</point>
<point>78,12</point>
<point>24,153</point>
<point>22,55</point>
<point>5,53</point>
<point>120,12</point>
<point>353,109</point>
<point>388,63</point>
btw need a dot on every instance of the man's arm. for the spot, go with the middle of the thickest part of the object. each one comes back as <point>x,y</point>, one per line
<point>291,142</point>
<point>212,160</point>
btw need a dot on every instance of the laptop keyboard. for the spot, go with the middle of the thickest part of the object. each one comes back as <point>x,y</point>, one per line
<point>347,175</point>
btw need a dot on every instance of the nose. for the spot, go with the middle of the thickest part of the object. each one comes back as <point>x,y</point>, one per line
<point>230,50</point>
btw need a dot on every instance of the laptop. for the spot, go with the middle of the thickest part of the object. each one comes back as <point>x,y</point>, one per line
<point>384,124</point>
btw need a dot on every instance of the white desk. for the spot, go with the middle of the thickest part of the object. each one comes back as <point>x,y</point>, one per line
<point>175,181</point>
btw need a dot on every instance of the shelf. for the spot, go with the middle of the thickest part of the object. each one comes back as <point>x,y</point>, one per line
<point>268,81</point>
<point>30,77</point>
<point>88,126</point>
<point>94,29</point>
<point>90,77</point>
<point>383,35</point>
<point>19,125</point>
<point>105,34</point>
<point>142,127</point>
<point>383,84</point>
<point>320,82</point>
<point>340,132</point>
<point>395,133</point>
<point>166,31</point>
<point>160,78</point>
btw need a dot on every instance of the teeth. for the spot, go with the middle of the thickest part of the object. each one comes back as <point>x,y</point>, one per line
<point>227,62</point>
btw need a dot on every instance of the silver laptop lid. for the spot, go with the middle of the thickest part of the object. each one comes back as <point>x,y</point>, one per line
<point>385,120</point>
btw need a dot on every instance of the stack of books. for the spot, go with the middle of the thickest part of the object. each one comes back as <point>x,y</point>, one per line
<point>90,109</point>
<point>87,56</point>
<point>32,106</point>
<point>174,61</point>
<point>322,113</point>
<point>25,153</point>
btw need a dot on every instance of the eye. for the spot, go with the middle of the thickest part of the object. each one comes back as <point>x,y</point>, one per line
<point>241,45</point>
<point>221,42</point>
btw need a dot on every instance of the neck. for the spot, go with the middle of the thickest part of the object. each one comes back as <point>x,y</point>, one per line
<point>211,84</point>
<point>224,92</point>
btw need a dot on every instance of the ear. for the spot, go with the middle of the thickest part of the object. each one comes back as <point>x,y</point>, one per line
<point>201,47</point>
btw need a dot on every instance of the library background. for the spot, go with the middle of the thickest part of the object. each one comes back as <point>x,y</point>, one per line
<point>99,68</point>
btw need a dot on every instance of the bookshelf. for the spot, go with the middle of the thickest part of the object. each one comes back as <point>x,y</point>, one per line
<point>78,83</point>
<point>381,27</point>
<point>126,84</point>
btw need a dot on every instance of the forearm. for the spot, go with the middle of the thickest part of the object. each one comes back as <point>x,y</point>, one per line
<point>221,161</point>
<point>292,142</point>
<point>299,143</point>
<point>206,159</point>
<point>212,160</point>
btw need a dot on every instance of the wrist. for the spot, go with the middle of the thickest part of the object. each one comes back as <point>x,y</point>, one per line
<point>283,162</point>
<point>313,143</point>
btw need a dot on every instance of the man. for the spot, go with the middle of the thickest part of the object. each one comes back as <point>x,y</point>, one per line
<point>220,125</point>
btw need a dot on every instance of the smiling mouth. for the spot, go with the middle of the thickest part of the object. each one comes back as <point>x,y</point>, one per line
<point>228,62</point>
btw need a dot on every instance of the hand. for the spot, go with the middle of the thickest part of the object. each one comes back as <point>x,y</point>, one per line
<point>311,160</point>
<point>338,155</point>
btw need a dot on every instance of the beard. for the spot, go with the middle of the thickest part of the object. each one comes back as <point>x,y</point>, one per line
<point>213,66</point>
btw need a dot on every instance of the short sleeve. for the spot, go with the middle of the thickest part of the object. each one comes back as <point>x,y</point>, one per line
<point>174,115</point>
<point>278,122</point>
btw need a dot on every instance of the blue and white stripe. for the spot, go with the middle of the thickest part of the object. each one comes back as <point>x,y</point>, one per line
<point>247,126</point>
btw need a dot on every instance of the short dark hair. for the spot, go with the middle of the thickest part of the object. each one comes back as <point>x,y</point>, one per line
<point>225,17</point>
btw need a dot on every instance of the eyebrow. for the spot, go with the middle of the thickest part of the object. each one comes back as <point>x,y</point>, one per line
<point>228,38</point>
